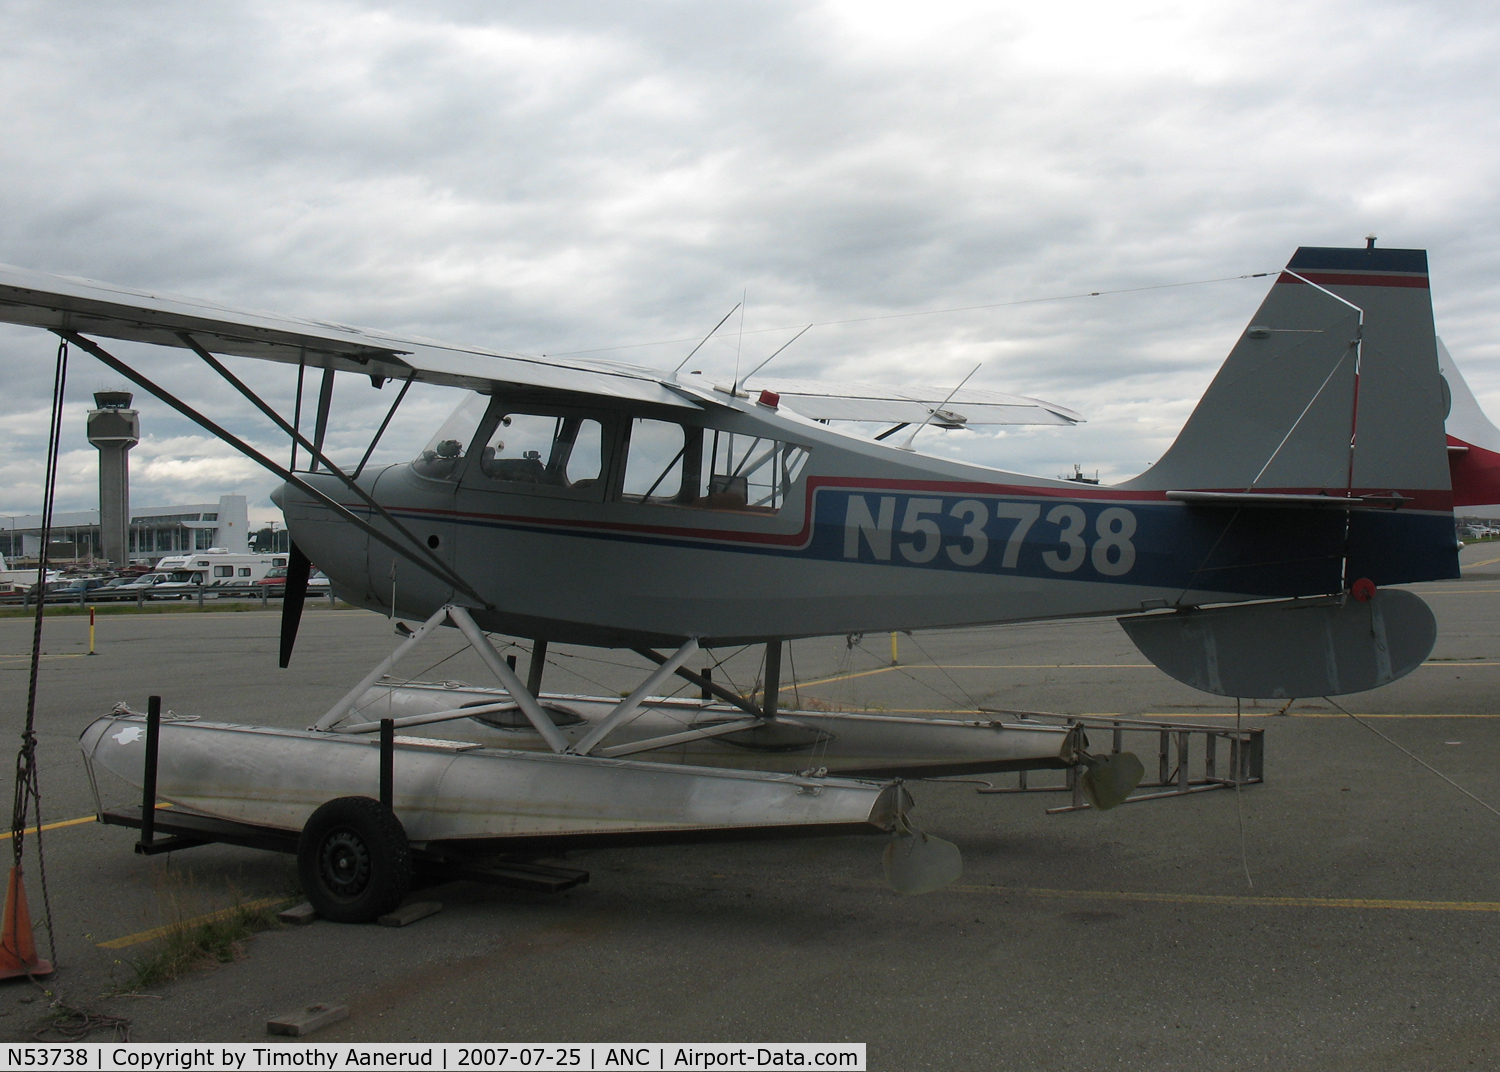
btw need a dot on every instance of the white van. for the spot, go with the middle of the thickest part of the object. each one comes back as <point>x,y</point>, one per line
<point>219,566</point>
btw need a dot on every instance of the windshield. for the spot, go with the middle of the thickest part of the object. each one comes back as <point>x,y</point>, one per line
<point>441,458</point>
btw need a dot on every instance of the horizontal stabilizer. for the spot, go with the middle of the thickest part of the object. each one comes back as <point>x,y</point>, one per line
<point>1262,498</point>
<point>1285,650</point>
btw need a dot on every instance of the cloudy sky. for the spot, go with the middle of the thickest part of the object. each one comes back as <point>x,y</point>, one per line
<point>557,177</point>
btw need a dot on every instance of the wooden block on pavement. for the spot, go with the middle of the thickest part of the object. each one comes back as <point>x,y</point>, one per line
<point>410,913</point>
<point>300,915</point>
<point>306,1020</point>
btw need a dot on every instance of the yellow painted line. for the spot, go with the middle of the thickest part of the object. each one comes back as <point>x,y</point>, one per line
<point>67,655</point>
<point>976,666</point>
<point>1338,714</point>
<point>1486,562</point>
<point>1030,666</point>
<point>68,822</point>
<point>187,924</point>
<point>1234,901</point>
<point>51,826</point>
<point>836,677</point>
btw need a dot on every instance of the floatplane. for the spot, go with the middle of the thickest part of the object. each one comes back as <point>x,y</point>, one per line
<point>593,503</point>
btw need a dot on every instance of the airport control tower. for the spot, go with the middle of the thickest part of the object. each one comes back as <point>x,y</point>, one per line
<point>114,428</point>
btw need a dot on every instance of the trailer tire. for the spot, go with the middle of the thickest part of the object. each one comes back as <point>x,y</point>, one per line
<point>354,860</point>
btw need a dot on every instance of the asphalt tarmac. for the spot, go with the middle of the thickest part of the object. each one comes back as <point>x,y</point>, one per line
<point>1343,915</point>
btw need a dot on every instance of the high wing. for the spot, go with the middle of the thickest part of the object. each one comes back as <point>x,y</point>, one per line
<point>873,402</point>
<point>64,303</point>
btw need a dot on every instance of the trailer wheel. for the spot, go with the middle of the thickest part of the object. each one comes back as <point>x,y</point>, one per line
<point>354,860</point>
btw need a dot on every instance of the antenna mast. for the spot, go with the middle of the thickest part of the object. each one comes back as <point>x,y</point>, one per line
<point>768,360</point>
<point>710,335</point>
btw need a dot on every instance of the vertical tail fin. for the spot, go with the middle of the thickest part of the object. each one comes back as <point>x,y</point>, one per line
<point>1334,387</point>
<point>1333,390</point>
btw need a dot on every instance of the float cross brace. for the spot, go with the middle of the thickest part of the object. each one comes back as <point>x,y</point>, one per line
<point>523,697</point>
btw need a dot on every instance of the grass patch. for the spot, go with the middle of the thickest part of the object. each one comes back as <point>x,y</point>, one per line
<point>217,940</point>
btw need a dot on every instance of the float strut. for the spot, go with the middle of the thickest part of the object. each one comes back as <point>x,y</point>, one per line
<point>704,681</point>
<point>537,667</point>
<point>773,680</point>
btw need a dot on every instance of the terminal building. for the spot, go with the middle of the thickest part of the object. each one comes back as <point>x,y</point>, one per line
<point>153,532</point>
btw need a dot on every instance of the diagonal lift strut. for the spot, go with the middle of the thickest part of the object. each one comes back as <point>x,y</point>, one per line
<point>256,456</point>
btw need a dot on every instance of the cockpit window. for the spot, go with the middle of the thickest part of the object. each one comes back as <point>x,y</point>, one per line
<point>709,468</point>
<point>747,472</point>
<point>653,466</point>
<point>536,449</point>
<point>442,458</point>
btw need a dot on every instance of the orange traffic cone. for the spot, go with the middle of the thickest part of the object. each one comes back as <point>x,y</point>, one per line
<point>17,947</point>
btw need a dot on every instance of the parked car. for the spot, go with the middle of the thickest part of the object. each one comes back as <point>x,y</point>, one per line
<point>68,590</point>
<point>179,585</point>
<point>112,589</point>
<point>275,582</point>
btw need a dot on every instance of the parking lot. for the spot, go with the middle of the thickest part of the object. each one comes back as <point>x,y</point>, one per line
<point>1344,915</point>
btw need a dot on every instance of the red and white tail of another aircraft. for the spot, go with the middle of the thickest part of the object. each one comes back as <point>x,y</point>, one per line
<point>1473,441</point>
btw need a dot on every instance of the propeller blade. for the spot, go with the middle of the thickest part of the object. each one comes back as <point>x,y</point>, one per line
<point>298,569</point>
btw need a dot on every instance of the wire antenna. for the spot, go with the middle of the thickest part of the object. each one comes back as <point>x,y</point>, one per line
<point>937,312</point>
<point>710,335</point>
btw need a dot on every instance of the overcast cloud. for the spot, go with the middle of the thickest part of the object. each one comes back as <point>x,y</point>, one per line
<point>557,177</point>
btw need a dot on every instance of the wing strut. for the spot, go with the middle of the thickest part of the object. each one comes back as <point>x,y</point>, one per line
<point>325,403</point>
<point>260,459</point>
<point>360,468</point>
<point>315,450</point>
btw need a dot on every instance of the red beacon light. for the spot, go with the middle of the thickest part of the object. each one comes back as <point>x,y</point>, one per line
<point>769,398</point>
<point>1363,590</point>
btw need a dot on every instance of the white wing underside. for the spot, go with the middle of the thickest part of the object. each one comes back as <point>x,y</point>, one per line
<point>878,402</point>
<point>65,303</point>
<point>1466,418</point>
<point>104,309</point>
